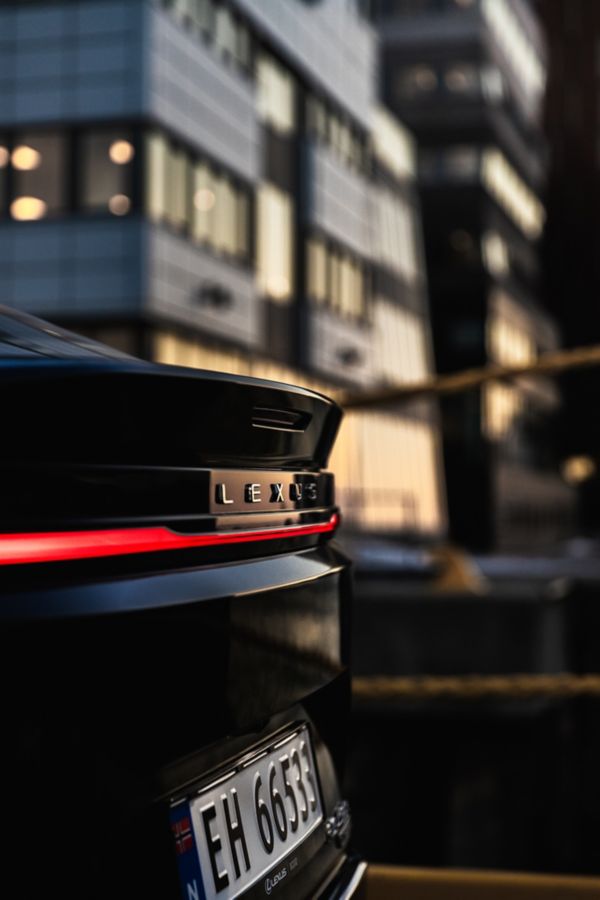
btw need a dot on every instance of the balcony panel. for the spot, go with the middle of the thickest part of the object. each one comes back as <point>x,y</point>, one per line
<point>337,198</point>
<point>194,287</point>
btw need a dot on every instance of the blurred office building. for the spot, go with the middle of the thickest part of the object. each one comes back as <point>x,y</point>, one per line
<point>468,77</point>
<point>214,184</point>
<point>572,235</point>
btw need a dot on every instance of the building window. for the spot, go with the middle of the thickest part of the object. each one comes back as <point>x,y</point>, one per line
<point>335,278</point>
<point>495,253</point>
<point>492,84</point>
<point>4,163</point>
<point>515,45</point>
<point>328,124</point>
<point>401,342</point>
<point>394,243</point>
<point>511,193</point>
<point>509,341</point>
<point>317,270</point>
<point>461,162</point>
<point>192,196</point>
<point>38,166</point>
<point>462,79</point>
<point>276,95</point>
<point>393,145</point>
<point>415,81</point>
<point>217,25</point>
<point>107,160</point>
<point>177,187</point>
<point>156,175</point>
<point>275,242</point>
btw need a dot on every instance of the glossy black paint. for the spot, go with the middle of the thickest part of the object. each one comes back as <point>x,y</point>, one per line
<point>126,681</point>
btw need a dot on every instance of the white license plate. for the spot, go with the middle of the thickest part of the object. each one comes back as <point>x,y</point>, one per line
<point>237,829</point>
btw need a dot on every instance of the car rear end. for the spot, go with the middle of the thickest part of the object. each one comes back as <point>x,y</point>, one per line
<point>174,631</point>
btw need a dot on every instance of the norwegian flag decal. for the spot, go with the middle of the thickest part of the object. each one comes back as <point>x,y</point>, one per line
<point>188,862</point>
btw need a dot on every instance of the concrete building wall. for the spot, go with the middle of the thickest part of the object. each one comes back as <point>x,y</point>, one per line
<point>329,41</point>
<point>340,349</point>
<point>337,199</point>
<point>180,279</point>
<point>189,90</point>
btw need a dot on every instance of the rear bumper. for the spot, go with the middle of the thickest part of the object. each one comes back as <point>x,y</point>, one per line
<point>349,882</point>
<point>120,692</point>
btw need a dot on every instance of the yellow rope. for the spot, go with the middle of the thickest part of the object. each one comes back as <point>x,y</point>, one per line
<point>473,687</point>
<point>551,363</point>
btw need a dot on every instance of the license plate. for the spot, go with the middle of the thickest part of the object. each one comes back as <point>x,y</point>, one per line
<point>242,826</point>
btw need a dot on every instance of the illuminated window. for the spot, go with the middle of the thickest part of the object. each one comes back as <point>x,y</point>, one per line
<point>276,95</point>
<point>328,124</point>
<point>177,187</point>
<point>495,253</point>
<point>512,194</point>
<point>415,81</point>
<point>393,145</point>
<point>242,224</point>
<point>502,405</point>
<point>107,159</point>
<point>317,270</point>
<point>492,84</point>
<point>393,234</point>
<point>191,196</point>
<point>510,339</point>
<point>274,238</point>
<point>225,239</point>
<point>4,162</point>
<point>38,163</point>
<point>399,336</point>
<point>119,204</point>
<point>204,199</point>
<point>387,471</point>
<point>516,46</point>
<point>157,153</point>
<point>462,79</point>
<point>335,278</point>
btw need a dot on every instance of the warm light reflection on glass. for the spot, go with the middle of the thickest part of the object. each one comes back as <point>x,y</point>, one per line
<point>278,286</point>
<point>495,253</point>
<point>512,37</point>
<point>4,156</point>
<point>26,158</point>
<point>512,193</point>
<point>204,199</point>
<point>27,208</point>
<point>502,406</point>
<point>119,204</point>
<point>577,469</point>
<point>121,152</point>
<point>393,145</point>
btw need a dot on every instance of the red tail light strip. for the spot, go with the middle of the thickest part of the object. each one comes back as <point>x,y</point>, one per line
<point>17,549</point>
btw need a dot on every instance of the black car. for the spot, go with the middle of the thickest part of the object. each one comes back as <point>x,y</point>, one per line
<point>174,630</point>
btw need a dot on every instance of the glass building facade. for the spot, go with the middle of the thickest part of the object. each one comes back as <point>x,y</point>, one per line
<point>468,77</point>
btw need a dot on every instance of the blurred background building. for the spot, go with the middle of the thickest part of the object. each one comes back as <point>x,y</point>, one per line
<point>215,184</point>
<point>468,77</point>
<point>571,265</point>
